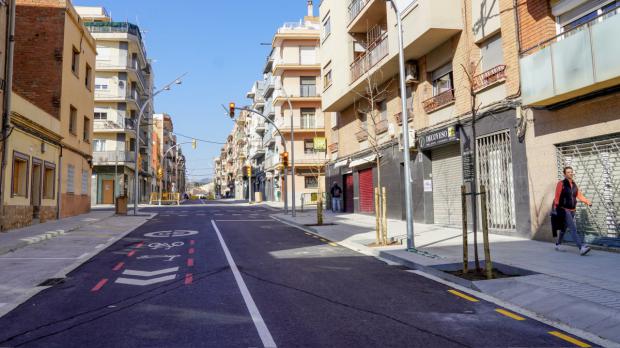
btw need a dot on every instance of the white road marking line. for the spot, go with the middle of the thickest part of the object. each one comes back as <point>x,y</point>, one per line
<point>150,274</point>
<point>99,246</point>
<point>261,327</point>
<point>140,282</point>
<point>243,220</point>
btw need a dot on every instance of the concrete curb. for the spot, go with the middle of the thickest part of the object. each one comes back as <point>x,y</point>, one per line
<point>63,273</point>
<point>455,282</point>
<point>39,237</point>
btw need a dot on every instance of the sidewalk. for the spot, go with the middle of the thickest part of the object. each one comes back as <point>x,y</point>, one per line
<point>33,254</point>
<point>563,287</point>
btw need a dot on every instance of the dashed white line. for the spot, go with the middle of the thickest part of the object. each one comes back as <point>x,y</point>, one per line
<point>261,327</point>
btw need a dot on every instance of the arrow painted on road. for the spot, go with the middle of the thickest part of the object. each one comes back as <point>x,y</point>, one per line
<point>145,282</point>
<point>150,274</point>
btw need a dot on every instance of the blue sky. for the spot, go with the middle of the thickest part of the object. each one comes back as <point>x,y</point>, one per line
<point>219,44</point>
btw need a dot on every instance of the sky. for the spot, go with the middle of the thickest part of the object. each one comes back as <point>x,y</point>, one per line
<point>218,43</point>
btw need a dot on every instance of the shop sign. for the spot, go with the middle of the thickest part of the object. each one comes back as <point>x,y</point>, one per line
<point>443,136</point>
<point>320,144</point>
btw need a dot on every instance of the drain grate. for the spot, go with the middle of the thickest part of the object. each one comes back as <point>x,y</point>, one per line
<point>52,282</point>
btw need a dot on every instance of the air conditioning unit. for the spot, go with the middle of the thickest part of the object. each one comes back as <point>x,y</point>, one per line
<point>411,72</point>
<point>411,140</point>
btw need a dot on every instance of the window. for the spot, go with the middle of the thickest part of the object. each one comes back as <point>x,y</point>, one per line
<point>99,145</point>
<point>86,129</point>
<point>88,80</point>
<point>442,79</point>
<point>75,61</point>
<point>309,146</point>
<point>383,110</point>
<point>311,182</point>
<point>70,178</point>
<point>492,53</point>
<point>73,120</point>
<point>585,13</point>
<point>327,75</point>
<point>49,180</point>
<point>19,181</point>
<point>334,119</point>
<point>132,144</point>
<point>85,182</point>
<point>307,86</point>
<point>308,118</point>
<point>104,53</point>
<point>363,120</point>
<point>102,84</point>
<point>100,115</point>
<point>307,55</point>
<point>327,27</point>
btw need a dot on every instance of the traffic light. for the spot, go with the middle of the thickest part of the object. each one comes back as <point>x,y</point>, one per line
<point>249,170</point>
<point>194,144</point>
<point>160,173</point>
<point>284,159</point>
<point>231,110</point>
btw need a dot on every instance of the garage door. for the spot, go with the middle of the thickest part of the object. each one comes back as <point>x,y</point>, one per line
<point>596,163</point>
<point>348,193</point>
<point>447,180</point>
<point>367,202</point>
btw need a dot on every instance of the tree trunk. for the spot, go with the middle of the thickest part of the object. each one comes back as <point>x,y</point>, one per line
<point>377,219</point>
<point>465,246</point>
<point>384,216</point>
<point>488,264</point>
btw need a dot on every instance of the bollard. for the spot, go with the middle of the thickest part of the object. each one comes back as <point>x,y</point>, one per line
<point>377,212</point>
<point>384,215</point>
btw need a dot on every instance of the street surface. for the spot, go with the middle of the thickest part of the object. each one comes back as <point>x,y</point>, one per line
<point>227,275</point>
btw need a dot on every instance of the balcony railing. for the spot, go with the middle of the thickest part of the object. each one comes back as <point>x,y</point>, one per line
<point>116,27</point>
<point>489,77</point>
<point>574,63</point>
<point>119,124</point>
<point>374,54</point>
<point>356,7</point>
<point>333,147</point>
<point>111,157</point>
<point>381,126</point>
<point>361,135</point>
<point>399,116</point>
<point>438,101</point>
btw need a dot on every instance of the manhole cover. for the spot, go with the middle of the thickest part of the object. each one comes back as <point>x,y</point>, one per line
<point>52,282</point>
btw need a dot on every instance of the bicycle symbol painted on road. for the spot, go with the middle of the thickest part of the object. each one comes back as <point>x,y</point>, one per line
<point>166,246</point>
<point>171,234</point>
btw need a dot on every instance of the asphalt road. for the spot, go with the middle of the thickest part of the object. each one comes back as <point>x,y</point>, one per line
<point>225,275</point>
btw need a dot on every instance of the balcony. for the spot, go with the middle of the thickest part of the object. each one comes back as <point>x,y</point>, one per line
<point>439,101</point>
<point>333,147</point>
<point>489,77</point>
<point>399,117</point>
<point>116,28</point>
<point>271,83</point>
<point>306,93</point>
<point>375,52</point>
<point>365,13</point>
<point>381,127</point>
<point>103,158</point>
<point>573,64</point>
<point>118,125</point>
<point>361,135</point>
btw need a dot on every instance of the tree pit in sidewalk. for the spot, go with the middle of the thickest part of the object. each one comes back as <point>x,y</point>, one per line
<point>473,275</point>
<point>500,271</point>
<point>319,225</point>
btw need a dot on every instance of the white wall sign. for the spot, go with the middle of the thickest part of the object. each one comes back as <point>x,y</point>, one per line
<point>428,185</point>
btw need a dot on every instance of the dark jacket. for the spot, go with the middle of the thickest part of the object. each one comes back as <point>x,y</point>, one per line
<point>336,191</point>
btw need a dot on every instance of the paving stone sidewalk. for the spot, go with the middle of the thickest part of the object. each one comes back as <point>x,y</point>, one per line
<point>24,265</point>
<point>564,287</point>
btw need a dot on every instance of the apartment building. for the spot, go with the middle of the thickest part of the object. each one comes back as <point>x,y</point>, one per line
<point>570,78</point>
<point>48,162</point>
<point>123,84</point>
<point>170,153</point>
<point>260,134</point>
<point>452,48</point>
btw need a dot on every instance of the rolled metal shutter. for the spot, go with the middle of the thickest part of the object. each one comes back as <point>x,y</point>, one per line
<point>596,163</point>
<point>366,190</point>
<point>447,180</point>
<point>348,193</point>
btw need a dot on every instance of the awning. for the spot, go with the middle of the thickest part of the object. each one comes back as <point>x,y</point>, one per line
<point>361,161</point>
<point>341,164</point>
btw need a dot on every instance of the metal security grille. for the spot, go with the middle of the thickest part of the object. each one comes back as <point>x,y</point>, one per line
<point>596,163</point>
<point>495,168</point>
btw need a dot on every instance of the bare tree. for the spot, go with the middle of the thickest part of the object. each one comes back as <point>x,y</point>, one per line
<point>373,124</point>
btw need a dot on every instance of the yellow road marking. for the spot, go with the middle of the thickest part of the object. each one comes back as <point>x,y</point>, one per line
<point>333,244</point>
<point>567,338</point>
<point>509,314</point>
<point>462,295</point>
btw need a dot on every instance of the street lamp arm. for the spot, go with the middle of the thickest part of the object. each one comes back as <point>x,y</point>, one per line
<point>266,119</point>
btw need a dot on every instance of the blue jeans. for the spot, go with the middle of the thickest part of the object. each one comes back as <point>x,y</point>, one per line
<point>569,224</point>
<point>336,204</point>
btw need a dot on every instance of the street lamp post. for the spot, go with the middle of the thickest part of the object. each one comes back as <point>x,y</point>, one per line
<point>281,137</point>
<point>405,129</point>
<point>136,190</point>
<point>290,106</point>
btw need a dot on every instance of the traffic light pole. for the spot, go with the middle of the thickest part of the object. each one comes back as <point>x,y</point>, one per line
<point>290,106</point>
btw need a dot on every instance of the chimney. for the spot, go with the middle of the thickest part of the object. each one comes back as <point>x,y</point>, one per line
<point>310,9</point>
